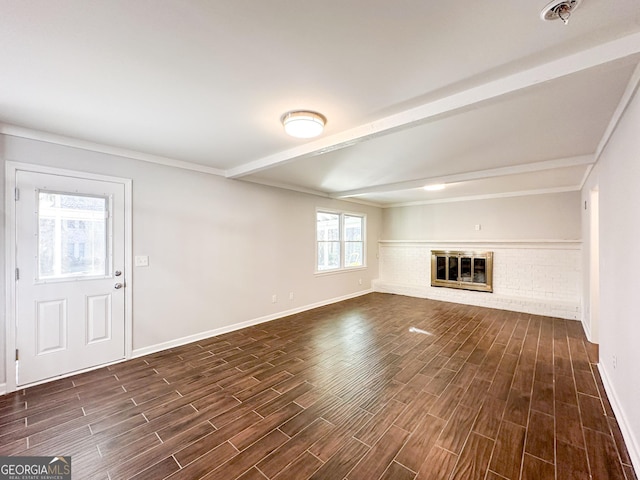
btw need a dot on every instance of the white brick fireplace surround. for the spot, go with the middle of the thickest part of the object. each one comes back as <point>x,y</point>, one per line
<point>539,277</point>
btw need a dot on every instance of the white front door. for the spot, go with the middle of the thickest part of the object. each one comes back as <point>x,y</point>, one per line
<point>70,251</point>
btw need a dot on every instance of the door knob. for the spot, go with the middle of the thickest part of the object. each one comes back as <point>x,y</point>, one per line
<point>117,273</point>
<point>118,285</point>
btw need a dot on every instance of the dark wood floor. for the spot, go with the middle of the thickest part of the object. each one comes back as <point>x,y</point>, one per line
<point>378,387</point>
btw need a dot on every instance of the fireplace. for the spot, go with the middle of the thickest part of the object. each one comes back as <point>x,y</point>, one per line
<point>465,270</point>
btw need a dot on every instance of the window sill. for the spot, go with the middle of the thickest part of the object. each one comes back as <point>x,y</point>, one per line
<point>322,273</point>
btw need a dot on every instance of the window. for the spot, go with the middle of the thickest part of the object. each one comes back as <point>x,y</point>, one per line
<point>64,250</point>
<point>339,241</point>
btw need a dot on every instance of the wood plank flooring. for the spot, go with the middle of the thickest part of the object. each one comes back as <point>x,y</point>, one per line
<point>378,387</point>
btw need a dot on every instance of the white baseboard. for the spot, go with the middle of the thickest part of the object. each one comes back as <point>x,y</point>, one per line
<point>627,432</point>
<point>200,336</point>
<point>140,352</point>
<point>587,329</point>
<point>549,308</point>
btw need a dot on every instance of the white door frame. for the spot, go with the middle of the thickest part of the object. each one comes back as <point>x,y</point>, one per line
<point>10,260</point>
<point>594,266</point>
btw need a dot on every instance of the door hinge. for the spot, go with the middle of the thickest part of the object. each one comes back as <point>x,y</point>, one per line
<point>17,274</point>
<point>17,356</point>
<point>17,194</point>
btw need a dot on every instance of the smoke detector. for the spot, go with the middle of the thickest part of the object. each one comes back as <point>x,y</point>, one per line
<point>559,9</point>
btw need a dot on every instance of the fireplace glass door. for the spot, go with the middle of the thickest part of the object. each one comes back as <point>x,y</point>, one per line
<point>466,270</point>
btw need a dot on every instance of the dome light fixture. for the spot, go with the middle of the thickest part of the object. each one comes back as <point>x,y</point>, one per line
<point>303,123</point>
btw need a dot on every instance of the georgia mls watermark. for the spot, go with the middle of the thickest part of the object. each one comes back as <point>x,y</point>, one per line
<point>35,468</point>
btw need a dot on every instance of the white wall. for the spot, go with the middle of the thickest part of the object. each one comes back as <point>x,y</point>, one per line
<point>2,267</point>
<point>535,241</point>
<point>218,249</point>
<point>617,178</point>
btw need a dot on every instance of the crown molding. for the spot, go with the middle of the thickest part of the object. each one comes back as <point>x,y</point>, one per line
<point>489,196</point>
<point>21,132</point>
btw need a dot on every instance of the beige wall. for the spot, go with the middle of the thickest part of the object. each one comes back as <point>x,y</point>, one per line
<point>535,217</point>
<point>218,249</point>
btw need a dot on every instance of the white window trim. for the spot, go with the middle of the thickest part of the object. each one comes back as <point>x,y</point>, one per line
<point>342,268</point>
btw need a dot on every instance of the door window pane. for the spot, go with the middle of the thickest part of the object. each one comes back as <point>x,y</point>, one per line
<point>72,236</point>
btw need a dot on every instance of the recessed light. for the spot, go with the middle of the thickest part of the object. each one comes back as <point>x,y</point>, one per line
<point>435,187</point>
<point>303,124</point>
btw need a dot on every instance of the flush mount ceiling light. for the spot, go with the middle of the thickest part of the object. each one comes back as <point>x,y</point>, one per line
<point>559,9</point>
<point>303,124</point>
<point>434,188</point>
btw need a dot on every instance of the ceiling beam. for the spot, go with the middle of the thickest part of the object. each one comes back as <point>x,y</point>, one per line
<point>469,176</point>
<point>585,59</point>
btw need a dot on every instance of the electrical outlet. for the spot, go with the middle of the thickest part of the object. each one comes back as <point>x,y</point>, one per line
<point>274,298</point>
<point>359,281</point>
<point>290,295</point>
<point>615,361</point>
<point>142,261</point>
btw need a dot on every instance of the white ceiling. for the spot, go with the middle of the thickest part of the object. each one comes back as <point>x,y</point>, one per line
<point>483,96</point>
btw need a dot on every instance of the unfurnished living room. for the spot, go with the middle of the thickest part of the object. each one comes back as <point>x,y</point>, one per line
<point>336,240</point>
